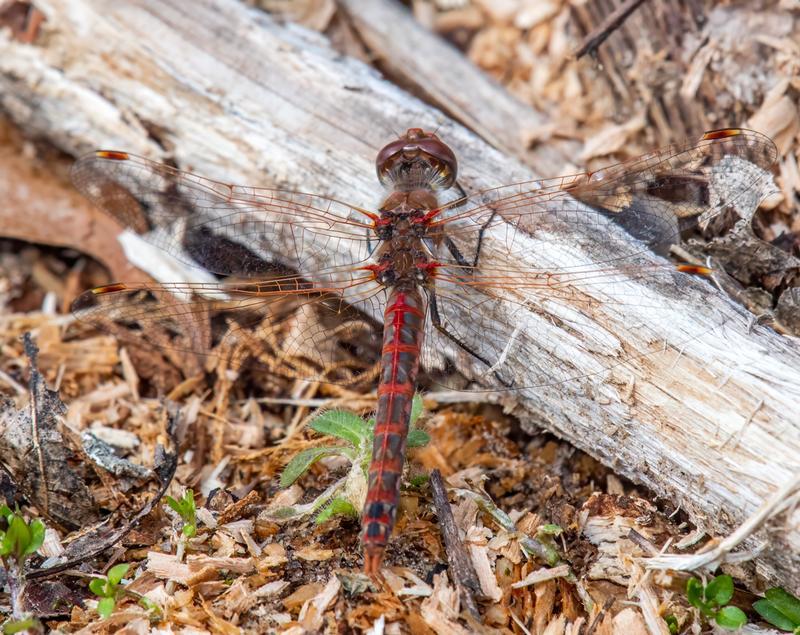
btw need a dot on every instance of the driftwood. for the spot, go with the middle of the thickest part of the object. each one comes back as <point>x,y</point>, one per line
<point>711,424</point>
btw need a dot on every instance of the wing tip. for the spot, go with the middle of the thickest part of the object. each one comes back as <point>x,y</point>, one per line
<point>113,155</point>
<point>722,133</point>
<point>89,299</point>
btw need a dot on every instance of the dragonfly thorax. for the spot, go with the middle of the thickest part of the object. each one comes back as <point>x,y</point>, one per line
<point>403,262</point>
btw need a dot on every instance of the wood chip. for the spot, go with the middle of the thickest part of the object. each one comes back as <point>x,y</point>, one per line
<point>479,554</point>
<point>630,622</point>
<point>312,613</point>
<point>440,611</point>
<point>313,553</point>
<point>540,575</point>
<point>296,600</point>
<point>274,555</point>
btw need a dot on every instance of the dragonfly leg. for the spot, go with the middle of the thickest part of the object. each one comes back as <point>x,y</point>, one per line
<point>456,253</point>
<point>436,320</point>
<point>463,198</point>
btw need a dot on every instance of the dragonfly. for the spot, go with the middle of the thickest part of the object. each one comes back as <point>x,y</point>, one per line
<point>433,280</point>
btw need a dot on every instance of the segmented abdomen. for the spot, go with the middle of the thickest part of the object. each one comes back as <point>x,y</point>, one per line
<point>402,338</point>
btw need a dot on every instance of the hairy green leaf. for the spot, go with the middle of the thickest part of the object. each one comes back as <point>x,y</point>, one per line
<point>305,459</point>
<point>416,408</point>
<point>337,507</point>
<point>342,424</point>
<point>417,438</point>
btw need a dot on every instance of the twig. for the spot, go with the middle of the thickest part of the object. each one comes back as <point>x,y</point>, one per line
<point>35,387</point>
<point>461,568</point>
<point>612,22</point>
<point>16,586</point>
<point>711,559</point>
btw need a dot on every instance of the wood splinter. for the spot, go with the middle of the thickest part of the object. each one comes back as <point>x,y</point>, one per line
<point>460,564</point>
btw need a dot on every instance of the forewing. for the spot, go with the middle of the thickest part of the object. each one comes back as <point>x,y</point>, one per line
<point>653,197</point>
<point>227,229</point>
<point>536,295</point>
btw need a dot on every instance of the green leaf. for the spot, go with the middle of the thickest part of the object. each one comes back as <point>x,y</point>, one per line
<point>731,617</point>
<point>303,460</point>
<point>720,590</point>
<point>37,537</point>
<point>6,544</point>
<point>174,504</point>
<point>416,408</point>
<point>337,507</point>
<point>549,530</point>
<point>18,535</point>
<point>785,602</point>
<point>694,592</point>
<point>19,626</point>
<point>342,424</point>
<point>417,438</point>
<point>767,610</point>
<point>189,530</point>
<point>98,587</point>
<point>117,572</point>
<point>105,607</point>
<point>672,624</point>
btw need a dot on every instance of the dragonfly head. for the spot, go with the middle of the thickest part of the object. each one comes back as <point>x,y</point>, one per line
<point>417,160</point>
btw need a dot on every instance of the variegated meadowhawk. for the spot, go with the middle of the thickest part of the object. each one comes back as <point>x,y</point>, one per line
<point>349,295</point>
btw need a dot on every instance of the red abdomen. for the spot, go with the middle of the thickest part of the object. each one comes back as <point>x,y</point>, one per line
<point>402,339</point>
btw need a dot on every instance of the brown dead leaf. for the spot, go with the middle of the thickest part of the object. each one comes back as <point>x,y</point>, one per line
<point>46,463</point>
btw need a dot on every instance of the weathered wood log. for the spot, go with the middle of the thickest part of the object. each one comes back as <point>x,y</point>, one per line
<point>223,91</point>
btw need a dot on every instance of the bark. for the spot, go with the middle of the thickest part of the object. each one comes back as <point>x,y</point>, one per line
<point>223,91</point>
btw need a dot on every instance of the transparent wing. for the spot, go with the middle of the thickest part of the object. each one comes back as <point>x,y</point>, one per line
<point>653,197</point>
<point>511,287</point>
<point>296,328</point>
<point>229,230</point>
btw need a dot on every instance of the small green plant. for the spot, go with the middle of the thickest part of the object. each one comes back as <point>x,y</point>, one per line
<point>672,624</point>
<point>711,600</point>
<point>781,609</point>
<point>25,625</point>
<point>345,496</point>
<point>109,589</point>
<point>18,538</point>
<point>186,509</point>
